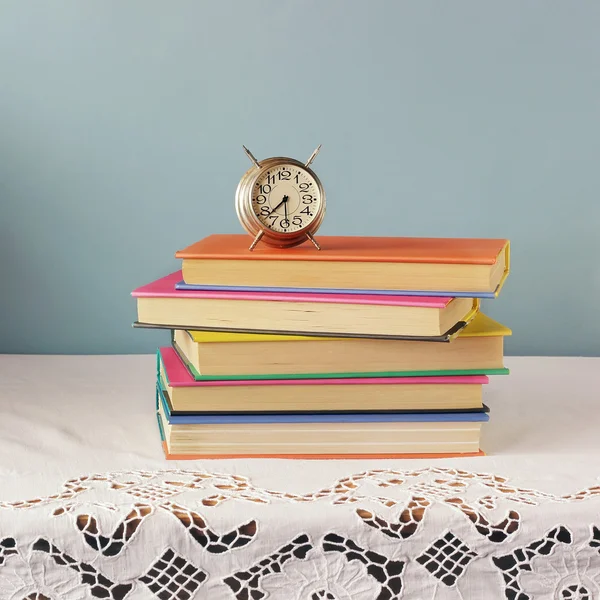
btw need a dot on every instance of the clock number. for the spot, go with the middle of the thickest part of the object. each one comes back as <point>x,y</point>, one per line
<point>261,199</point>
<point>307,199</point>
<point>296,178</point>
<point>274,219</point>
<point>297,221</point>
<point>304,187</point>
<point>265,210</point>
<point>306,211</point>
<point>285,223</point>
<point>283,175</point>
<point>265,189</point>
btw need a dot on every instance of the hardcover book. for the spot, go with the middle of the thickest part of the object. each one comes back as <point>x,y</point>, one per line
<point>160,304</point>
<point>185,394</point>
<point>174,416</point>
<point>457,265</point>
<point>477,350</point>
<point>182,285</point>
<point>367,434</point>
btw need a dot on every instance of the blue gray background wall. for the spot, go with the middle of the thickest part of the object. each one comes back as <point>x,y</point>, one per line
<point>121,126</point>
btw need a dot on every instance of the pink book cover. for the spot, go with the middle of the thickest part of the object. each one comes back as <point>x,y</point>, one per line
<point>165,288</point>
<point>178,376</point>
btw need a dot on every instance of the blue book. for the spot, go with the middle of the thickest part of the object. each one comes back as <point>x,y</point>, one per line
<point>181,285</point>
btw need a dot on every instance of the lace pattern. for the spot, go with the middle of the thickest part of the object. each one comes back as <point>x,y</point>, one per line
<point>377,534</point>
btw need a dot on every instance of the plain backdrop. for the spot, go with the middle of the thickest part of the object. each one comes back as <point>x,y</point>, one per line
<point>121,125</point>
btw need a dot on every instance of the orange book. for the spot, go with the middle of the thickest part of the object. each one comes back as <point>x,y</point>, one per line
<point>467,266</point>
<point>428,456</point>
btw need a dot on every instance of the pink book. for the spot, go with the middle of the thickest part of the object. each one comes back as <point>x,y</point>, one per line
<point>165,288</point>
<point>160,304</point>
<point>178,376</point>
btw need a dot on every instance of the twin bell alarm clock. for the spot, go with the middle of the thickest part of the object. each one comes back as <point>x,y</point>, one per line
<point>280,201</point>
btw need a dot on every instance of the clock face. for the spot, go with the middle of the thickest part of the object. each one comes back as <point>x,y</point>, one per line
<point>286,198</point>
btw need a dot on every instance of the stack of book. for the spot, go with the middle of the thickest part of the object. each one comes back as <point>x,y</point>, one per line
<point>370,347</point>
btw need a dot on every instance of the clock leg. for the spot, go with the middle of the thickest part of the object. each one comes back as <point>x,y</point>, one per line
<point>312,239</point>
<point>251,157</point>
<point>256,240</point>
<point>313,156</point>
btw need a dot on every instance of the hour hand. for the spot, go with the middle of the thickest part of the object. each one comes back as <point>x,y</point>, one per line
<point>284,201</point>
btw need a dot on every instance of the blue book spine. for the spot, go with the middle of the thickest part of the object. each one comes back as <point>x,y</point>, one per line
<point>294,290</point>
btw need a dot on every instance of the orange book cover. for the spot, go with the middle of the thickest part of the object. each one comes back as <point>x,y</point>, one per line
<point>317,456</point>
<point>467,251</point>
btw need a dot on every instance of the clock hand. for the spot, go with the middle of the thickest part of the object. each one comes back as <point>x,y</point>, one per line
<point>285,210</point>
<point>284,201</point>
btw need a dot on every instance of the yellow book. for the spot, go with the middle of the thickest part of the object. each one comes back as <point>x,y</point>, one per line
<point>478,349</point>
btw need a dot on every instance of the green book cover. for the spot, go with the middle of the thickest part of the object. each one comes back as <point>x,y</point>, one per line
<point>437,373</point>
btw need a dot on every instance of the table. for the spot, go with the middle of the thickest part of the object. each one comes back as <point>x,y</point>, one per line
<point>89,507</point>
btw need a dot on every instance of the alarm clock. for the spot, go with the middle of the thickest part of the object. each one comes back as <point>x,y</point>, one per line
<point>280,201</point>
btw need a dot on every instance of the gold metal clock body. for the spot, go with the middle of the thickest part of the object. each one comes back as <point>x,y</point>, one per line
<point>280,201</point>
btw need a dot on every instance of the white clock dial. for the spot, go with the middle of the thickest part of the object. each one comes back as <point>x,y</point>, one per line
<point>286,198</point>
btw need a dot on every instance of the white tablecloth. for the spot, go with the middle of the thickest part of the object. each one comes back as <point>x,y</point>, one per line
<point>89,507</point>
